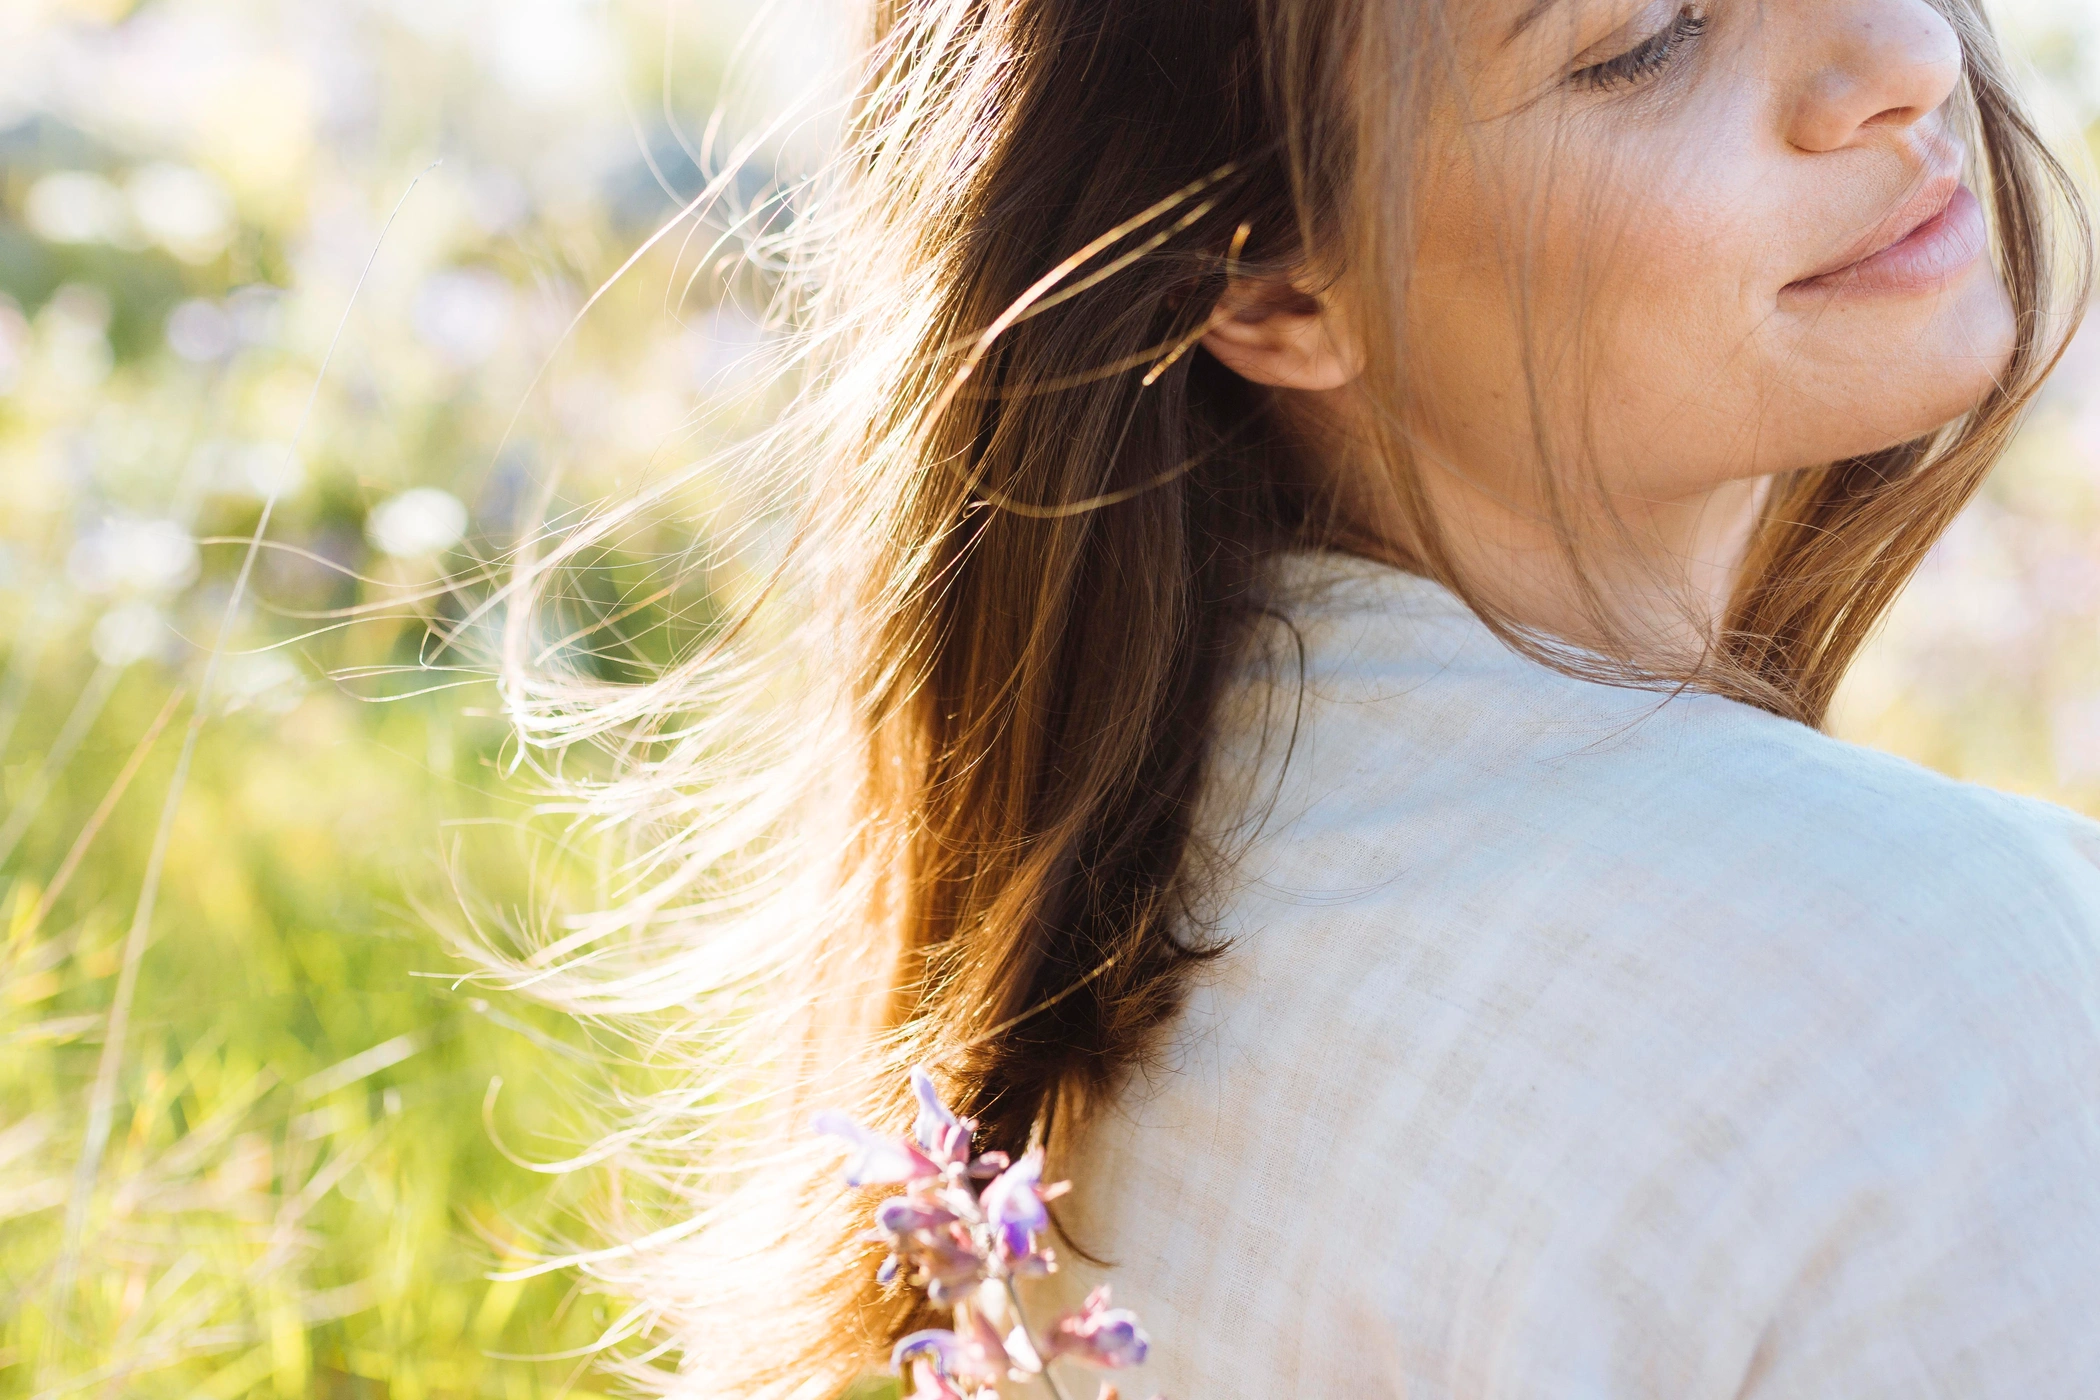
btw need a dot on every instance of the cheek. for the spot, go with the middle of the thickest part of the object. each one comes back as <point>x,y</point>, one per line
<point>1675,385</point>
<point>1679,253</point>
<point>1461,349</point>
<point>1719,382</point>
<point>1652,345</point>
<point>1637,299</point>
<point>1648,345</point>
<point>1700,371</point>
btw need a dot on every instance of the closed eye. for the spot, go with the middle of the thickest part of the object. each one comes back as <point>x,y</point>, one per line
<point>1645,59</point>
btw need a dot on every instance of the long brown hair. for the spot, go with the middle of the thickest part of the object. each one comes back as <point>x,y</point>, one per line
<point>929,798</point>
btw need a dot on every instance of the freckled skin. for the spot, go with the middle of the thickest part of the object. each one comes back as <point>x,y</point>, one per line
<point>1658,229</point>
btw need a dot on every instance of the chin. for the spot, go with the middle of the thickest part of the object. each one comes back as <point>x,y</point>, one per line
<point>1920,372</point>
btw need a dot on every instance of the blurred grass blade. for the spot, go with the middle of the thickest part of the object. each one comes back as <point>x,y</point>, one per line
<point>86,710</point>
<point>101,814</point>
<point>359,1066</point>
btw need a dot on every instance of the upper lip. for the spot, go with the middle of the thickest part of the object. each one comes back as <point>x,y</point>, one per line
<point>1926,203</point>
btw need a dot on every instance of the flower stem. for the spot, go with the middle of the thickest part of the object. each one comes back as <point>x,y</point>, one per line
<point>1021,1316</point>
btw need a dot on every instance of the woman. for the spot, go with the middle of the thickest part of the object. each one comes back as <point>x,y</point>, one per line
<point>1334,525</point>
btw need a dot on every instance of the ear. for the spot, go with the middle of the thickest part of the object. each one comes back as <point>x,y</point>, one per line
<point>1274,334</point>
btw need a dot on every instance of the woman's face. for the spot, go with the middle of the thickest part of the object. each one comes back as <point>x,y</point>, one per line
<point>1733,238</point>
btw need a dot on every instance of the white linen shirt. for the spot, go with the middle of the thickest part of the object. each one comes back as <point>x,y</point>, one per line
<point>1579,1042</point>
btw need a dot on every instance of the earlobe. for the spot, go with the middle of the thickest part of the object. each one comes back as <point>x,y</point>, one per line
<point>1281,338</point>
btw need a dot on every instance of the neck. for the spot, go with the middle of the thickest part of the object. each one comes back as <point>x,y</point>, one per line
<point>1648,579</point>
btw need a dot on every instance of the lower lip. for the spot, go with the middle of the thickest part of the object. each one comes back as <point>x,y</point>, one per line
<point>1931,256</point>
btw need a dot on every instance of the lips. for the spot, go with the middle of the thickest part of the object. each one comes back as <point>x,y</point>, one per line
<point>1936,234</point>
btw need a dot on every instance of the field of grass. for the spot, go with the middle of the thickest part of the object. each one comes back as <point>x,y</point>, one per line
<point>296,1194</point>
<point>248,1139</point>
<point>276,1169</point>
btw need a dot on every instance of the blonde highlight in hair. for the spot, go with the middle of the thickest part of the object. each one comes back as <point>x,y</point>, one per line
<point>930,797</point>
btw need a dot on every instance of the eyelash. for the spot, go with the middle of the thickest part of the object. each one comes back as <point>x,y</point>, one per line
<point>1645,59</point>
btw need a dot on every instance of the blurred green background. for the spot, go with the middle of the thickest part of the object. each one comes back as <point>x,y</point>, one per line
<point>289,1181</point>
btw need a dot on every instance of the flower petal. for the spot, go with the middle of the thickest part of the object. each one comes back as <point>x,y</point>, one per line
<point>1020,1347</point>
<point>984,1352</point>
<point>948,1262</point>
<point>936,1342</point>
<point>1100,1335</point>
<point>877,1158</point>
<point>929,1384</point>
<point>1014,1207</point>
<point>939,1131</point>
<point>903,1215</point>
<point>933,1114</point>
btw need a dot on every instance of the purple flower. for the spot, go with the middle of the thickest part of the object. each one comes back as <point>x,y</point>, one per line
<point>930,1384</point>
<point>972,1354</point>
<point>877,1158</point>
<point>901,1215</point>
<point>1100,1335</point>
<point>964,1246</point>
<point>937,1343</point>
<point>944,1136</point>
<point>1013,1205</point>
<point>948,1261</point>
<point>927,1235</point>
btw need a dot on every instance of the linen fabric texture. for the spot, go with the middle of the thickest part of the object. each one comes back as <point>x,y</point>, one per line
<point>1582,1042</point>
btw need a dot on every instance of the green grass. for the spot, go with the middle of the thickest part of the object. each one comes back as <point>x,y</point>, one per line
<point>299,1195</point>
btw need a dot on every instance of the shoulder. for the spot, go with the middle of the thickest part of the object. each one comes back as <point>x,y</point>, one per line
<point>1717,915</point>
<point>1717,1032</point>
<point>1399,740</point>
<point>1898,848</point>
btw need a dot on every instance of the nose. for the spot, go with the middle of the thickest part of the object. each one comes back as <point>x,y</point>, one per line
<point>1872,65</point>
